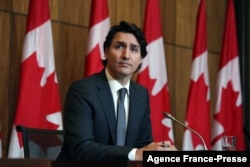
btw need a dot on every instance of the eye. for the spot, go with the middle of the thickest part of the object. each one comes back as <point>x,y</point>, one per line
<point>119,46</point>
<point>134,49</point>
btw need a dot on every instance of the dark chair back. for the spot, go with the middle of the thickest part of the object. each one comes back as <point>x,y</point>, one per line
<point>41,143</point>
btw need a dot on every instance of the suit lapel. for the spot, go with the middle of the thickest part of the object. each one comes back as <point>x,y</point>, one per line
<point>107,103</point>
<point>108,107</point>
<point>134,103</point>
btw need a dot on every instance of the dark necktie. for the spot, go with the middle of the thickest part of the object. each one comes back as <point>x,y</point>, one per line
<point>121,118</point>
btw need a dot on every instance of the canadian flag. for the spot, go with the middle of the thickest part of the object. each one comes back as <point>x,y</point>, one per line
<point>99,25</point>
<point>198,104</point>
<point>228,110</point>
<point>153,74</point>
<point>38,102</point>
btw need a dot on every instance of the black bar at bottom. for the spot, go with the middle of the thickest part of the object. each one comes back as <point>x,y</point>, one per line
<point>196,158</point>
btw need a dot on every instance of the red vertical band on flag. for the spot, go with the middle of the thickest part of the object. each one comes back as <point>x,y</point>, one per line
<point>37,16</point>
<point>38,101</point>
<point>99,25</point>
<point>99,12</point>
<point>153,74</point>
<point>198,103</point>
<point>228,118</point>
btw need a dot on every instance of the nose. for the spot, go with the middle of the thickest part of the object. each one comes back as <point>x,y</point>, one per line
<point>126,53</point>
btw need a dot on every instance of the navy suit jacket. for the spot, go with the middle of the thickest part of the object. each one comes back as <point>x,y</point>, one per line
<point>90,121</point>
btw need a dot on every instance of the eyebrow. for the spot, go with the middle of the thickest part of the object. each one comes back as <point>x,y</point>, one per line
<point>124,43</point>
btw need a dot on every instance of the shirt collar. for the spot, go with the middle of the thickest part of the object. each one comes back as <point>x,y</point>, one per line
<point>114,84</point>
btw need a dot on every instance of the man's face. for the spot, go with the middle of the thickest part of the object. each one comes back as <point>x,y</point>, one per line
<point>123,55</point>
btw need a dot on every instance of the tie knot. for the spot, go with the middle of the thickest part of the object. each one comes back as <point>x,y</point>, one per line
<point>122,93</point>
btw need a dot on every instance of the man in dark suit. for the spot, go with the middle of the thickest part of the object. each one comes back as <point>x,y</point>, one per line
<point>90,114</point>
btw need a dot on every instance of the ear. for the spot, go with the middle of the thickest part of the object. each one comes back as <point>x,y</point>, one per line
<point>141,59</point>
<point>106,53</point>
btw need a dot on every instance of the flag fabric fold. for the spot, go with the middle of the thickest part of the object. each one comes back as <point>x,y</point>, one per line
<point>198,103</point>
<point>227,117</point>
<point>153,74</point>
<point>99,25</point>
<point>38,101</point>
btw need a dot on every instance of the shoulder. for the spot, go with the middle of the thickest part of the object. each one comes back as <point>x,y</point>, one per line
<point>134,86</point>
<point>90,82</point>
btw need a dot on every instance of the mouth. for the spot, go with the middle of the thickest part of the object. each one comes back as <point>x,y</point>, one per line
<point>125,64</point>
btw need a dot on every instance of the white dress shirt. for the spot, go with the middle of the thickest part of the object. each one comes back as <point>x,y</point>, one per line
<point>115,86</point>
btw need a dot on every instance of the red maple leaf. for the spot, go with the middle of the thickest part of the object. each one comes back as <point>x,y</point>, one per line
<point>158,105</point>
<point>230,115</point>
<point>228,111</point>
<point>93,62</point>
<point>36,102</point>
<point>198,116</point>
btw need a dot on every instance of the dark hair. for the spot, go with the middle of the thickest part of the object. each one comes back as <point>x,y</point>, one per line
<point>126,28</point>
